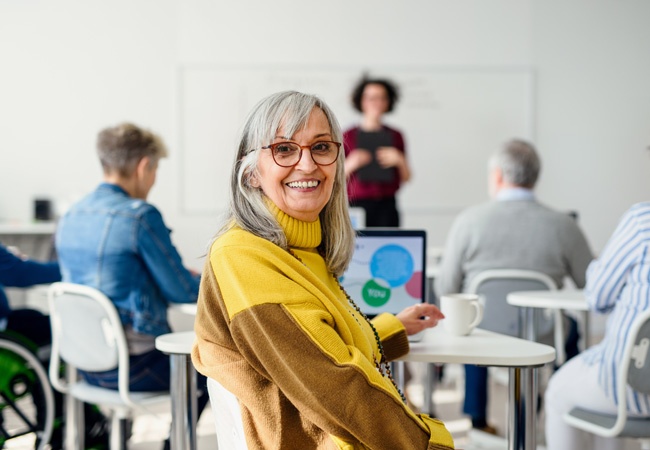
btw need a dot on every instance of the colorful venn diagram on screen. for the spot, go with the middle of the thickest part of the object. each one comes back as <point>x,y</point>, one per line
<point>391,267</point>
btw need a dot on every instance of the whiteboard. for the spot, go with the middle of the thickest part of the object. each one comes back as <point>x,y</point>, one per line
<point>452,119</point>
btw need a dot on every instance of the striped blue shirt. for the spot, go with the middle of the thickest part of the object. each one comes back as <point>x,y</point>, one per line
<point>618,282</point>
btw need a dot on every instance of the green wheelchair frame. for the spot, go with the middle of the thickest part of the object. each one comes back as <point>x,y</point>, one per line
<point>23,378</point>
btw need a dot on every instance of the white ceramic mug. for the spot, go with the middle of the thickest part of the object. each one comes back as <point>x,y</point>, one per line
<point>463,312</point>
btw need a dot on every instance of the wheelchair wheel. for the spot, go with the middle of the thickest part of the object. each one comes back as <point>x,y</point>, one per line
<point>26,399</point>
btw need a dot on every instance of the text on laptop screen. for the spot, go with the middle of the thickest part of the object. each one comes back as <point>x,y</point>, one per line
<point>387,272</point>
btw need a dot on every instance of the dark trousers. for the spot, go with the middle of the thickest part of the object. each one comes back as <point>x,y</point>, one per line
<point>379,212</point>
<point>147,372</point>
<point>476,380</point>
<point>31,324</point>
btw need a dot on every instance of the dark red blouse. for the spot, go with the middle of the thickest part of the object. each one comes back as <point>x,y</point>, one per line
<point>367,190</point>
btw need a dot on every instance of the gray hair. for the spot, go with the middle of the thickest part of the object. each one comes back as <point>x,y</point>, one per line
<point>121,147</point>
<point>247,207</point>
<point>519,163</point>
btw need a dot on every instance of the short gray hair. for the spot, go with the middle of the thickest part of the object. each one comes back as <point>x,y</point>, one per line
<point>519,163</point>
<point>121,147</point>
<point>247,208</point>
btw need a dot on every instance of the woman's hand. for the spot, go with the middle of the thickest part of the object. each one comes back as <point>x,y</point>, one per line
<point>389,157</point>
<point>357,158</point>
<point>412,319</point>
<point>16,252</point>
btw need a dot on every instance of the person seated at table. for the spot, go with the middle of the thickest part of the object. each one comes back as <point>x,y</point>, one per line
<point>32,329</point>
<point>513,231</point>
<point>618,284</point>
<point>274,326</point>
<point>115,241</point>
<point>19,271</point>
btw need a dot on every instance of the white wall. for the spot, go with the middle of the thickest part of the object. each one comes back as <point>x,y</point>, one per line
<point>593,107</point>
<point>71,67</point>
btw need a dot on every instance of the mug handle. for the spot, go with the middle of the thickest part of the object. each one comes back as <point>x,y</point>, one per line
<point>479,315</point>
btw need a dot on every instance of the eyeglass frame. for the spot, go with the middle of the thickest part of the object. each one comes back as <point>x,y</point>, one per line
<point>270,146</point>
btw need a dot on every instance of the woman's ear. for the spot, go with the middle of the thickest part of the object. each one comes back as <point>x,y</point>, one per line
<point>252,180</point>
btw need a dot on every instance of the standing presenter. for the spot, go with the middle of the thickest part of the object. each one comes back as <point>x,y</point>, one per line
<point>375,157</point>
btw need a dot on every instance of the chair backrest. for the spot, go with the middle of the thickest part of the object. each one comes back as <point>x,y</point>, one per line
<point>494,286</point>
<point>634,371</point>
<point>227,417</point>
<point>637,355</point>
<point>87,334</point>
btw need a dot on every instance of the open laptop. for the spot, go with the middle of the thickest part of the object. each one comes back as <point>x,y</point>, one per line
<point>388,270</point>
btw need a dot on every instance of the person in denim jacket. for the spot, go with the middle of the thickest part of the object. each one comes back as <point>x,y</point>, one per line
<point>114,241</point>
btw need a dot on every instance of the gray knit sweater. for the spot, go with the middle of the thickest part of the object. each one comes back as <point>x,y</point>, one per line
<point>515,234</point>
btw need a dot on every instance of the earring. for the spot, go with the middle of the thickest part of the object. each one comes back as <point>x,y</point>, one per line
<point>253,182</point>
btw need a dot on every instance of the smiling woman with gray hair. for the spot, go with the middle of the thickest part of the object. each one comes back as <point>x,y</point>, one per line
<point>274,326</point>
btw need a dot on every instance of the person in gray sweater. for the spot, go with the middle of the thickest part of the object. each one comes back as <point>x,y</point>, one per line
<point>513,231</point>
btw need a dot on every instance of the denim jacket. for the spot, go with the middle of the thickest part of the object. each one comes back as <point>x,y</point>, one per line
<point>121,246</point>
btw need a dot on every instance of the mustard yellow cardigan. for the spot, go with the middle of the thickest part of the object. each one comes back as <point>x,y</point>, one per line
<point>279,334</point>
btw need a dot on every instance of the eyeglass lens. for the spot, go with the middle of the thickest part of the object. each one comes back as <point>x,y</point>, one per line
<point>288,154</point>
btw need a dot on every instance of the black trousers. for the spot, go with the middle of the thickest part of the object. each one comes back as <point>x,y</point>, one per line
<point>379,212</point>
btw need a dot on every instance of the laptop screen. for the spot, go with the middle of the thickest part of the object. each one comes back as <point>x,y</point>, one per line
<point>387,272</point>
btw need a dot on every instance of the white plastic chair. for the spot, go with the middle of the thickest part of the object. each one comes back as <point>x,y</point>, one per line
<point>498,316</point>
<point>87,334</point>
<point>227,417</point>
<point>634,371</point>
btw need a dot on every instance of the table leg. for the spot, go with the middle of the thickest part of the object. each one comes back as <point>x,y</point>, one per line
<point>522,409</point>
<point>558,337</point>
<point>398,375</point>
<point>514,406</point>
<point>585,334</point>
<point>523,324</point>
<point>184,404</point>
<point>529,375</point>
<point>428,389</point>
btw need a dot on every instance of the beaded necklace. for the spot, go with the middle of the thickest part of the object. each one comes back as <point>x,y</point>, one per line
<point>383,366</point>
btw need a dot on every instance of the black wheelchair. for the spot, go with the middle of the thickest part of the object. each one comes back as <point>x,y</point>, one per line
<point>27,407</point>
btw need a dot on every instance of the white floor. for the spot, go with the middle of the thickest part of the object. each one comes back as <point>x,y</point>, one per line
<point>448,399</point>
<point>149,431</point>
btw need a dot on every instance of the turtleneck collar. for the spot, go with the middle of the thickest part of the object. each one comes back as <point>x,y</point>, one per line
<point>299,234</point>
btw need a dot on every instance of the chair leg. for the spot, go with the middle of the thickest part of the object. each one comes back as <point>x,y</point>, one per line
<point>75,424</point>
<point>119,431</point>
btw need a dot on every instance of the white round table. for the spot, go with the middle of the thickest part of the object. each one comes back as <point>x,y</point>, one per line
<point>481,347</point>
<point>569,299</point>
